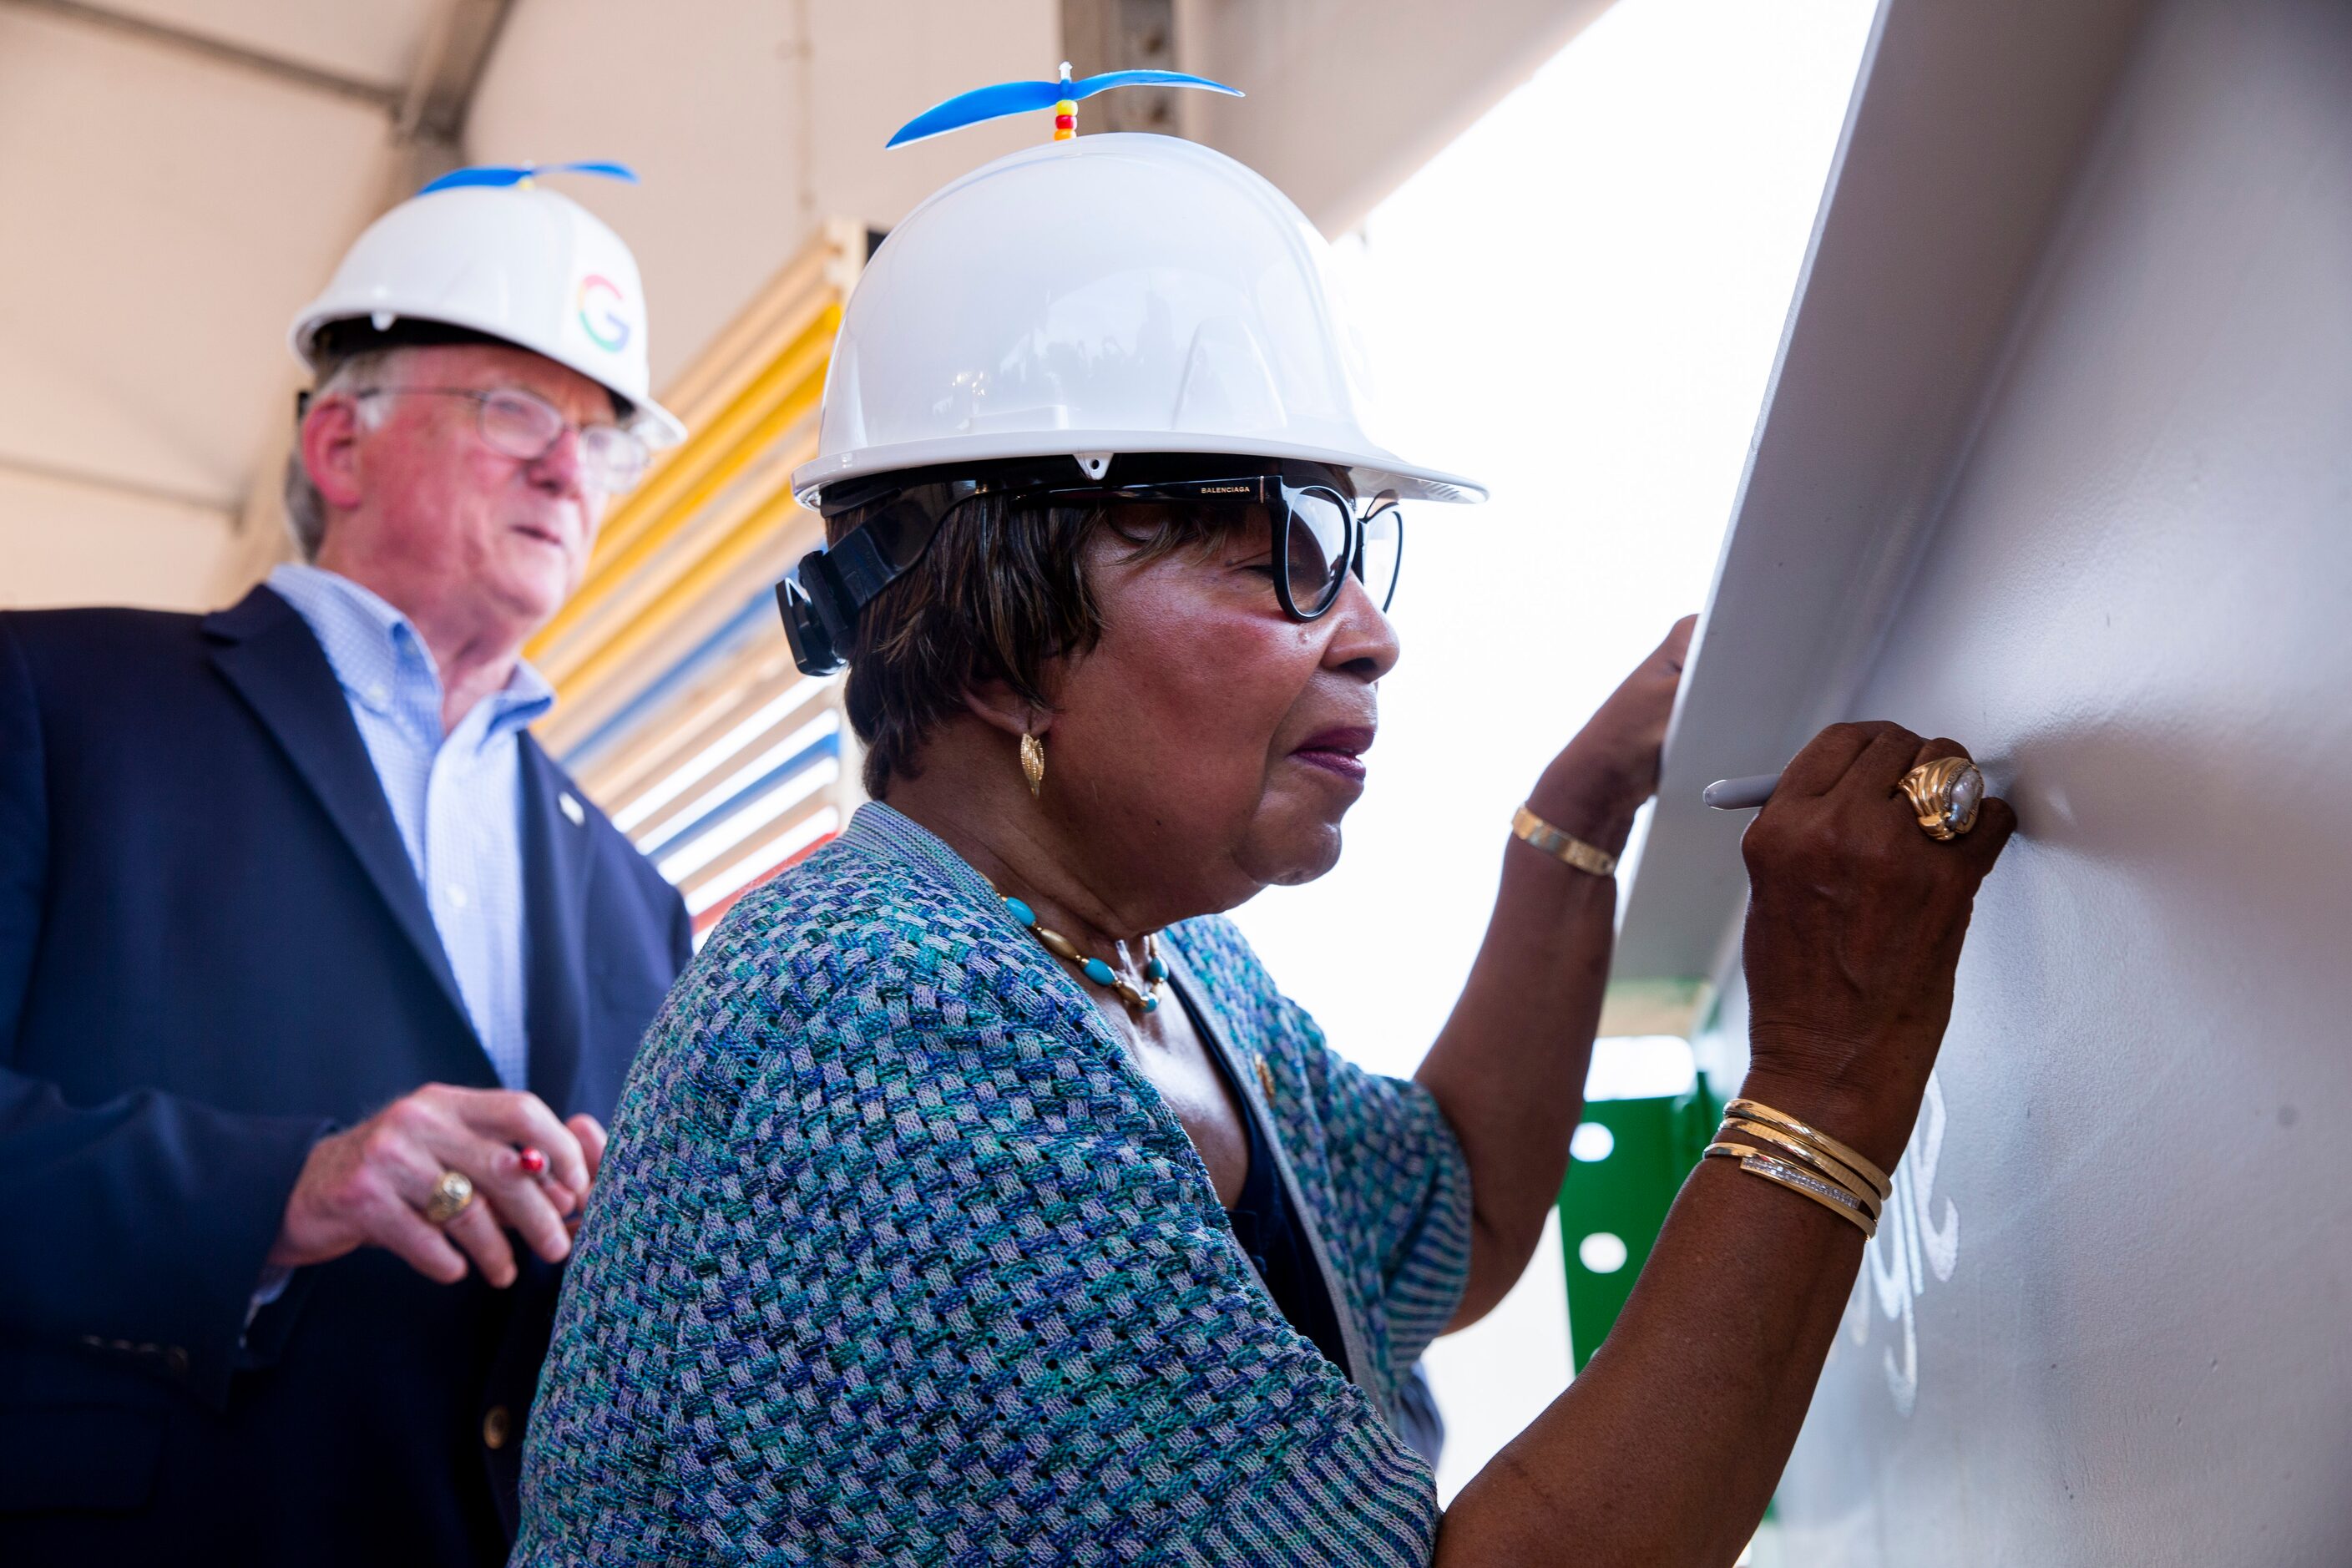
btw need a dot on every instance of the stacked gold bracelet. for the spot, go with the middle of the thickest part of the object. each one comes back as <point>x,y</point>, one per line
<point>1804,1160</point>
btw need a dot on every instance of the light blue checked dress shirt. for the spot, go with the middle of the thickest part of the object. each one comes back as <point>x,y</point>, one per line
<point>457,797</point>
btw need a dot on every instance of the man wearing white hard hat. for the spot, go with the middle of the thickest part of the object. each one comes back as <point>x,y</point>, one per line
<point>318,978</point>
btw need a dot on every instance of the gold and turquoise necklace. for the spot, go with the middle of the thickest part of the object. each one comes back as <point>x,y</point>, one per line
<point>1155,969</point>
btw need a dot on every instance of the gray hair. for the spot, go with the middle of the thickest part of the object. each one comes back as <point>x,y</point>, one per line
<point>306,508</point>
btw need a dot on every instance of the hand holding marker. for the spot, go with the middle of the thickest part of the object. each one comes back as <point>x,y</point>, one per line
<point>1944,793</point>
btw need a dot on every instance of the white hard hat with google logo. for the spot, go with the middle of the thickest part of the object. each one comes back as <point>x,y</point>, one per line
<point>493,253</point>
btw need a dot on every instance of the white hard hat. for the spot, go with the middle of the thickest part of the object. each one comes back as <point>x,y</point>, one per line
<point>517,262</point>
<point>1117,293</point>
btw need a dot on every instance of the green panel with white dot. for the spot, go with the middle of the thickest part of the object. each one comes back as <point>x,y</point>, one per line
<point>1627,1161</point>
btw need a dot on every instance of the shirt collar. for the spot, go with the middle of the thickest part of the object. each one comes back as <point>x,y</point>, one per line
<point>376,653</point>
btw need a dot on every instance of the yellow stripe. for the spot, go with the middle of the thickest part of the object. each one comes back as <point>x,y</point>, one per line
<point>650,584</point>
<point>661,490</point>
<point>775,316</point>
<point>713,522</point>
<point>698,880</point>
<point>720,563</point>
<point>596,702</point>
<point>783,396</point>
<point>662,561</point>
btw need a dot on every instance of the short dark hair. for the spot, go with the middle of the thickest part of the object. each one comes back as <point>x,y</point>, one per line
<point>1001,592</point>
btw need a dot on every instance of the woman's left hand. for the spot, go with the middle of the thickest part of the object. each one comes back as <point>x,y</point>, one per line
<point>1602,777</point>
<point>1510,1064</point>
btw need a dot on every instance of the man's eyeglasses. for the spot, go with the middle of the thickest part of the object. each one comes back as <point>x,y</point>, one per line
<point>526,426</point>
<point>1315,534</point>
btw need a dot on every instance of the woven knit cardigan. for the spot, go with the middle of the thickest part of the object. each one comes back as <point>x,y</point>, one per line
<point>896,1258</point>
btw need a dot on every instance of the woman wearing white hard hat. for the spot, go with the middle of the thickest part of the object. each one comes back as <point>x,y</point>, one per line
<point>979,1197</point>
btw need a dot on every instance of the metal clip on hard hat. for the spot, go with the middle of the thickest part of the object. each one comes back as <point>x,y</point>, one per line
<point>827,590</point>
<point>817,636</point>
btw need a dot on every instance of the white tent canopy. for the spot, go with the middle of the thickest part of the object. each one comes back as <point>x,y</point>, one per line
<point>178,176</point>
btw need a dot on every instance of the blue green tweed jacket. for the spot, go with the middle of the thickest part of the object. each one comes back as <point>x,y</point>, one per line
<point>895,1258</point>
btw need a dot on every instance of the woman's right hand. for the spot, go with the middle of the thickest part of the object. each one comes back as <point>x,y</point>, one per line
<point>1855,919</point>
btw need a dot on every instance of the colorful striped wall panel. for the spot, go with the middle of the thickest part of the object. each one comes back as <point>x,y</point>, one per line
<point>679,709</point>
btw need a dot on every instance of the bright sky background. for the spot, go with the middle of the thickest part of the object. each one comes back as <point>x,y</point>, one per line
<point>1577,302</point>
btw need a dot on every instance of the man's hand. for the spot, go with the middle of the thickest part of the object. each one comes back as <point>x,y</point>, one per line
<point>368,1187</point>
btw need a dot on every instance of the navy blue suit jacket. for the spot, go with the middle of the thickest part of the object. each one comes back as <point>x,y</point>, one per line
<point>213,949</point>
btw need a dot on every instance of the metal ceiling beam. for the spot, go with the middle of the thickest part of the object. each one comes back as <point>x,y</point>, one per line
<point>427,116</point>
<point>1124,34</point>
<point>431,107</point>
<point>291,73</point>
<point>131,490</point>
<point>448,70</point>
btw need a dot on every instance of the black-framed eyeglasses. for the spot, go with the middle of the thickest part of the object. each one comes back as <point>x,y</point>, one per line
<point>526,426</point>
<point>1317,536</point>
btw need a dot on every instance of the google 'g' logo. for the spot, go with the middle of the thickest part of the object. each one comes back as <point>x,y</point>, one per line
<point>600,314</point>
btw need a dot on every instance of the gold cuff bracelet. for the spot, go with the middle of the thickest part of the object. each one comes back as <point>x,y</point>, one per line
<point>1529,828</point>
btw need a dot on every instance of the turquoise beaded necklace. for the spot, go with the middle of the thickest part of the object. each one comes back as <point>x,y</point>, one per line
<point>1155,969</point>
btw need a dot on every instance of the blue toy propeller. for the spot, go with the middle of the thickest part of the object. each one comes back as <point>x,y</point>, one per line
<point>500,174</point>
<point>1020,97</point>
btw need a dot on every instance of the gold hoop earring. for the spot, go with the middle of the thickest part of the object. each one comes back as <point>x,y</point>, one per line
<point>1032,762</point>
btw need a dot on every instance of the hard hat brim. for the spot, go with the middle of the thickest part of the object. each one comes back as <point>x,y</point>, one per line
<point>657,425</point>
<point>1371,472</point>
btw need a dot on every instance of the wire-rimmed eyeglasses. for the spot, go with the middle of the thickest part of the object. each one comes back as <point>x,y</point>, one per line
<point>526,426</point>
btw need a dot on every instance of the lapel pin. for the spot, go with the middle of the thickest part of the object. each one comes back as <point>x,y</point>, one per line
<point>571,809</point>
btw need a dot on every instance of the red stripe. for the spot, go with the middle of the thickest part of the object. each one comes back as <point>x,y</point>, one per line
<point>709,917</point>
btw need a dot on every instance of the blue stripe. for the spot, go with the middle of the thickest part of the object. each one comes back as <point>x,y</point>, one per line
<point>737,629</point>
<point>830,746</point>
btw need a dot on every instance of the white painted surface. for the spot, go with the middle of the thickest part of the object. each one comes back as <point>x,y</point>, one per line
<point>1347,99</point>
<point>1495,1377</point>
<point>1594,347</point>
<point>77,545</point>
<point>368,40</point>
<point>160,218</point>
<point>1963,134</point>
<point>1576,301</point>
<point>2108,1324</point>
<point>751,122</point>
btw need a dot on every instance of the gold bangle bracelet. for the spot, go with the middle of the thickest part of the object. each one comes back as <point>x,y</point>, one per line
<point>1565,847</point>
<point>1829,1194</point>
<point>1816,1160</point>
<point>1755,1111</point>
